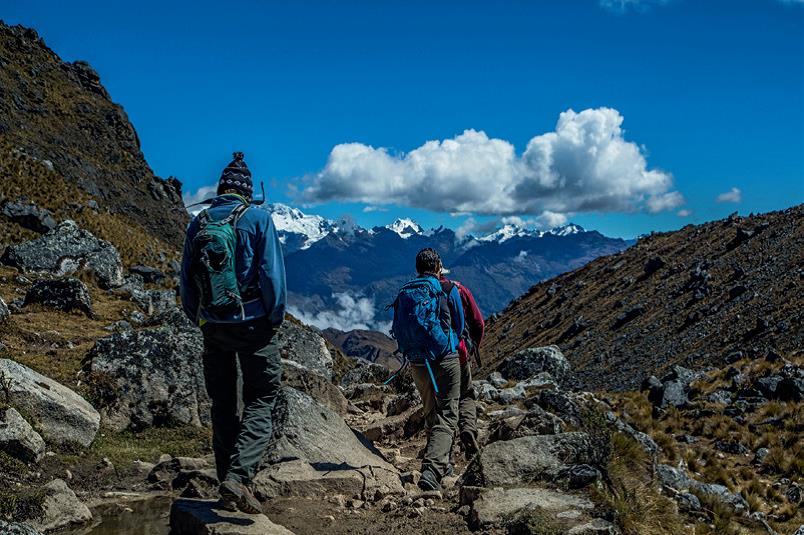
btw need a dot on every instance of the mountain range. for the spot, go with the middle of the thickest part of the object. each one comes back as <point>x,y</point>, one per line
<point>341,275</point>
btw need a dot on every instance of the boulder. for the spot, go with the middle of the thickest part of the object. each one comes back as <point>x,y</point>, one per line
<point>205,517</point>
<point>304,346</point>
<point>299,478</point>
<point>530,362</point>
<point>149,274</point>
<point>679,481</point>
<point>365,372</point>
<point>304,429</point>
<point>16,528</point>
<point>62,294</point>
<point>316,386</point>
<point>18,438</point>
<point>150,377</point>
<point>536,421</point>
<point>490,507</point>
<point>28,215</point>
<point>65,250</point>
<point>648,445</point>
<point>149,301</point>
<point>61,508</point>
<point>60,414</point>
<point>560,403</point>
<point>531,458</point>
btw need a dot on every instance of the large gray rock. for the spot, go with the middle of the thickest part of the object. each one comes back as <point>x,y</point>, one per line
<point>16,528</point>
<point>532,361</point>
<point>61,508</point>
<point>204,517</point>
<point>300,478</point>
<point>304,346</point>
<point>536,421</point>
<point>531,458</point>
<point>28,215</point>
<point>491,507</point>
<point>18,438</point>
<point>678,480</point>
<point>66,294</point>
<point>315,385</point>
<point>305,429</point>
<point>65,250</point>
<point>60,414</point>
<point>150,377</point>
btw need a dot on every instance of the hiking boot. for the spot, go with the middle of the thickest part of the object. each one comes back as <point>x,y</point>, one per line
<point>470,445</point>
<point>226,505</point>
<point>239,495</point>
<point>428,481</point>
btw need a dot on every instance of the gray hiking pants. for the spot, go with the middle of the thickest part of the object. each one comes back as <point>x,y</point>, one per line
<point>239,443</point>
<point>467,407</point>
<point>440,410</point>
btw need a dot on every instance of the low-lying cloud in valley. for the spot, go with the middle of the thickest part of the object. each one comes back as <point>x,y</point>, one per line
<point>350,312</point>
<point>585,165</point>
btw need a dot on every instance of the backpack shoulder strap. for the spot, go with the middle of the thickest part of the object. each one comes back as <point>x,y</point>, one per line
<point>447,286</point>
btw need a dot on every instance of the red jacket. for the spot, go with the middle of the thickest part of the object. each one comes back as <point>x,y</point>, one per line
<point>473,320</point>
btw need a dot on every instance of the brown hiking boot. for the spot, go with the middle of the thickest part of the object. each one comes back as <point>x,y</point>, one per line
<point>238,494</point>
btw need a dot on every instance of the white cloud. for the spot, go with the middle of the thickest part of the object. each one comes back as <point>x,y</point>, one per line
<point>664,202</point>
<point>684,213</point>
<point>548,220</point>
<point>351,312</point>
<point>369,209</point>
<point>584,165</point>
<point>201,194</point>
<point>733,195</point>
<point>521,258</point>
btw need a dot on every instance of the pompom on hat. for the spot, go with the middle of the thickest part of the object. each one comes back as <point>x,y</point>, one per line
<point>236,176</point>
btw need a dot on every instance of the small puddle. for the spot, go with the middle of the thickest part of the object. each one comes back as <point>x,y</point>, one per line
<point>145,517</point>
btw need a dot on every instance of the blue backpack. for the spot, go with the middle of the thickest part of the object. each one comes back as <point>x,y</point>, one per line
<point>422,323</point>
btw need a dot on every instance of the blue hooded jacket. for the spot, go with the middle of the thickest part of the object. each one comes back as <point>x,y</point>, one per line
<point>259,262</point>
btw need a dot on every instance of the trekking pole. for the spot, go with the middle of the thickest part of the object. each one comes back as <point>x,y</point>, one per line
<point>400,370</point>
<point>432,377</point>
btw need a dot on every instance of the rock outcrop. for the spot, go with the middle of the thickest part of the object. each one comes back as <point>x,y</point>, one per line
<point>60,414</point>
<point>18,438</point>
<point>149,377</point>
<point>66,250</point>
<point>62,294</point>
<point>305,347</point>
<point>28,215</point>
<point>61,508</point>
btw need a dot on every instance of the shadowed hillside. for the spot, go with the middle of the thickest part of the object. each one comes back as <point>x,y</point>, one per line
<point>689,297</point>
<point>60,113</point>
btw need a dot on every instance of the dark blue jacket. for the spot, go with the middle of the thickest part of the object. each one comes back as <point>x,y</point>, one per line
<point>259,262</point>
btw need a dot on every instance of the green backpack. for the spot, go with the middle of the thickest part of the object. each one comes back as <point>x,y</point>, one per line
<point>214,272</point>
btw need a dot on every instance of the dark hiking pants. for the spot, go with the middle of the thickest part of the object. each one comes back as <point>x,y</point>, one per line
<point>467,406</point>
<point>239,444</point>
<point>440,410</point>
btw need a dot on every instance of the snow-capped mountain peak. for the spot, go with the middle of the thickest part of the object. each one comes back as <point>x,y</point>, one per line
<point>511,230</point>
<point>294,225</point>
<point>567,230</point>
<point>405,227</point>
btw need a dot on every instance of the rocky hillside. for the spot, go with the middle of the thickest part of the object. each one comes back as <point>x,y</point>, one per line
<point>695,297</point>
<point>59,114</point>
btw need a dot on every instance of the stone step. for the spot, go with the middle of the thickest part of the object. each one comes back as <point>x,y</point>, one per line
<point>204,517</point>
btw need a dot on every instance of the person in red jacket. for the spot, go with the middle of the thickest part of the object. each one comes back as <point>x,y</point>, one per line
<point>469,347</point>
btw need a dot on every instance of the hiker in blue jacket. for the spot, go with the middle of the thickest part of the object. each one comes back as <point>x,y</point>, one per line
<point>233,286</point>
<point>428,322</point>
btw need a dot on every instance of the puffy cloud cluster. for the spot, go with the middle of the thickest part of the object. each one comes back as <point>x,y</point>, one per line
<point>351,312</point>
<point>585,165</point>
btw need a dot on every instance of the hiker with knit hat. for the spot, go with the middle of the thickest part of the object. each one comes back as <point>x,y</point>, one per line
<point>233,286</point>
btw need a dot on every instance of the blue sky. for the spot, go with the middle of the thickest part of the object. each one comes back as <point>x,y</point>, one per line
<point>690,99</point>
